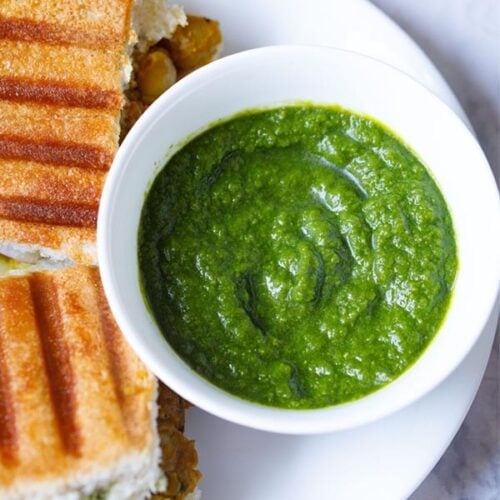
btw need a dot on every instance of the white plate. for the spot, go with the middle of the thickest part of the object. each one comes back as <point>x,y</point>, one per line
<point>385,460</point>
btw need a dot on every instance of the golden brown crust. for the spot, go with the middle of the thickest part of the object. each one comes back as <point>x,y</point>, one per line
<point>8,430</point>
<point>76,398</point>
<point>27,386</point>
<point>129,375</point>
<point>61,378</point>
<point>60,99</point>
<point>62,22</point>
<point>19,178</point>
<point>72,65</point>
<point>28,30</point>
<point>47,196</point>
<point>59,135</point>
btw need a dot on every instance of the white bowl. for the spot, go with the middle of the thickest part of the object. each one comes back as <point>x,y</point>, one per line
<point>272,76</point>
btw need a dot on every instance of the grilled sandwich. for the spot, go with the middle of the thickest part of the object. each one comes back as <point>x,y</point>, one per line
<point>63,69</point>
<point>79,413</point>
<point>80,416</point>
<point>60,98</point>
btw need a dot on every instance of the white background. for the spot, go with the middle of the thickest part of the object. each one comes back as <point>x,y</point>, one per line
<point>462,37</point>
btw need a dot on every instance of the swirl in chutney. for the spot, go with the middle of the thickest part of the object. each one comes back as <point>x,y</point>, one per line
<point>298,257</point>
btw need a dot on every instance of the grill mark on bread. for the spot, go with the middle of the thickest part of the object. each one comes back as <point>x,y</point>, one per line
<point>58,93</point>
<point>28,30</point>
<point>110,333</point>
<point>57,360</point>
<point>54,152</point>
<point>8,432</point>
<point>121,359</point>
<point>28,209</point>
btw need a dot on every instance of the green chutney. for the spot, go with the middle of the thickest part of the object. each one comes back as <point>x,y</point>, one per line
<point>298,257</point>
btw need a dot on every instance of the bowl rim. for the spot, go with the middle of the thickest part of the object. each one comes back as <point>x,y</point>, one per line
<point>144,125</point>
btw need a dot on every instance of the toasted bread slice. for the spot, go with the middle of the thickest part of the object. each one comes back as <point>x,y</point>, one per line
<point>78,409</point>
<point>63,69</point>
<point>61,78</point>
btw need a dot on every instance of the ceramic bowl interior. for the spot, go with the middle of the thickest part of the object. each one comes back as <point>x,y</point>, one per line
<point>274,76</point>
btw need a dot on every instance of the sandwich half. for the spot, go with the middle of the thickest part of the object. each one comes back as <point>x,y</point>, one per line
<point>60,98</point>
<point>63,69</point>
<point>80,415</point>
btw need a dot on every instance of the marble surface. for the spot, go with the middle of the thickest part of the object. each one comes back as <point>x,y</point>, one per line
<point>462,37</point>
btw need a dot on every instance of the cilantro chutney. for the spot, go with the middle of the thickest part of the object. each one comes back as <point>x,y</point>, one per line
<point>298,257</point>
